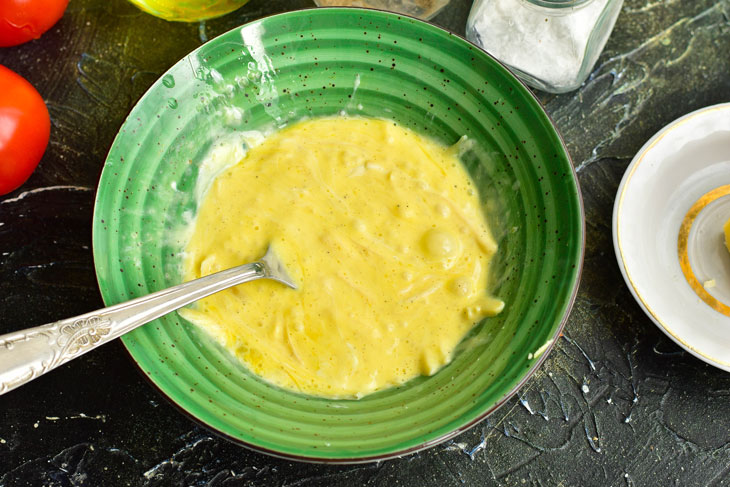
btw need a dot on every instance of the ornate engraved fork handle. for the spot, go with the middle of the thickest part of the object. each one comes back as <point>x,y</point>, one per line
<point>26,354</point>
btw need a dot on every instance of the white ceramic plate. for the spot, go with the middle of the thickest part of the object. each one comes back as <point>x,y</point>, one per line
<point>668,232</point>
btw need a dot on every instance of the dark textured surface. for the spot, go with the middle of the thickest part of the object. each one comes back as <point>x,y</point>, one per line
<point>616,403</point>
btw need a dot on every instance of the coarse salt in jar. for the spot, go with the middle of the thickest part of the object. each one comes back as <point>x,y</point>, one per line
<point>552,45</point>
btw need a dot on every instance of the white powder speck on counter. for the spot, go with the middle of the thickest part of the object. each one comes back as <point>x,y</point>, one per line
<point>548,44</point>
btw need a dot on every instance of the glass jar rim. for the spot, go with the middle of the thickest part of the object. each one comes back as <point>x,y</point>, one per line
<point>557,4</point>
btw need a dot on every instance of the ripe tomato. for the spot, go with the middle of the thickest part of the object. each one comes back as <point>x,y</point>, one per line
<point>25,128</point>
<point>25,20</point>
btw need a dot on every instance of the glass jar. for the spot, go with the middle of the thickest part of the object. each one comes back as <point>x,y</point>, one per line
<point>551,45</point>
<point>423,9</point>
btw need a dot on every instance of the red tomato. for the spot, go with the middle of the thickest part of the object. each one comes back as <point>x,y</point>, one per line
<point>25,127</point>
<point>24,20</point>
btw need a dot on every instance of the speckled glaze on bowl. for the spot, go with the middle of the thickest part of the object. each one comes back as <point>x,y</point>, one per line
<point>315,63</point>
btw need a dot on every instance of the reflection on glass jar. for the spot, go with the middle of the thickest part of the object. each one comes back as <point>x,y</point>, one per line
<point>423,9</point>
<point>551,44</point>
<point>188,10</point>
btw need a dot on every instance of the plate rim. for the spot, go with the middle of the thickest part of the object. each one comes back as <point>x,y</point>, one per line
<point>618,250</point>
<point>550,344</point>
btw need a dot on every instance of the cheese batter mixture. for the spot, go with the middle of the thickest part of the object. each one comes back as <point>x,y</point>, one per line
<point>383,232</point>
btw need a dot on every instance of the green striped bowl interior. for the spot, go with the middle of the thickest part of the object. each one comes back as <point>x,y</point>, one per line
<point>322,62</point>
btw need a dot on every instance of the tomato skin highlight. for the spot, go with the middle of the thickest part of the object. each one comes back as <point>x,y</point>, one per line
<point>24,20</point>
<point>25,128</point>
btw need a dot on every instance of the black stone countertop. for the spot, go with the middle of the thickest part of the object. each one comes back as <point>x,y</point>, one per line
<point>616,402</point>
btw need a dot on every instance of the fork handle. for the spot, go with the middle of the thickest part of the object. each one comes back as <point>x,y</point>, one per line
<point>30,353</point>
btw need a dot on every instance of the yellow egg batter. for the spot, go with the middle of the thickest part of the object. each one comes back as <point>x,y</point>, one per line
<point>384,234</point>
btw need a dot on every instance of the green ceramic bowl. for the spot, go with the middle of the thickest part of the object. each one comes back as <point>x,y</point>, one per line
<point>316,63</point>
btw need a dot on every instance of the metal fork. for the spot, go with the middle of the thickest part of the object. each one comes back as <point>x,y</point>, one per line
<point>30,353</point>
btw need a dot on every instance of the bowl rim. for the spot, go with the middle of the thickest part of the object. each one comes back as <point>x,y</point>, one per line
<point>481,417</point>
